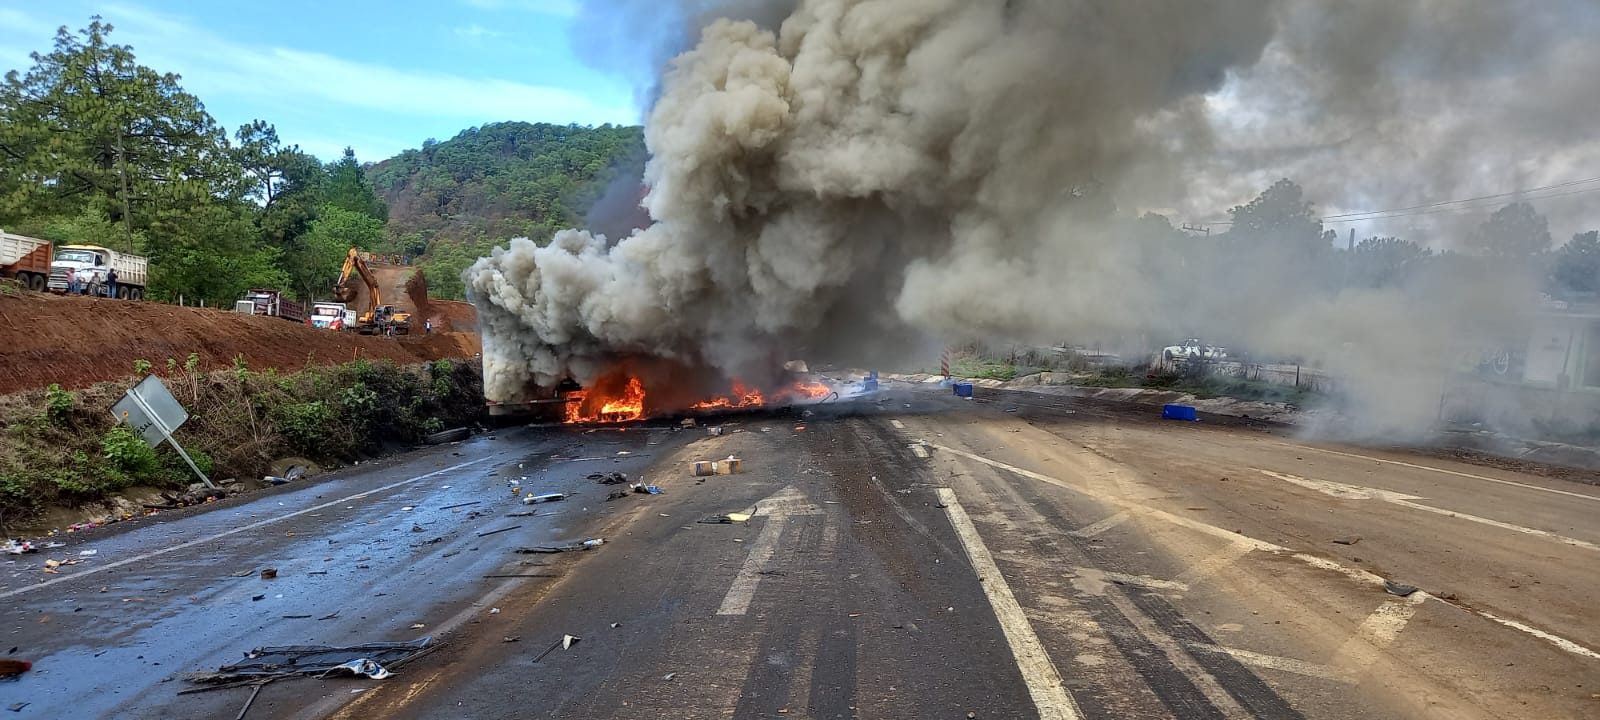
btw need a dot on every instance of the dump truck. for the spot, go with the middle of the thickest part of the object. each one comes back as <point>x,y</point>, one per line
<point>269,302</point>
<point>92,265</point>
<point>25,259</point>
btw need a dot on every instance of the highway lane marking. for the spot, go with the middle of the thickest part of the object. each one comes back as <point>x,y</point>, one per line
<point>1089,531</point>
<point>776,509</point>
<point>1254,544</point>
<point>1357,492</point>
<point>237,530</point>
<point>1456,473</point>
<point>1050,696</point>
<point>1275,662</point>
<point>1557,641</point>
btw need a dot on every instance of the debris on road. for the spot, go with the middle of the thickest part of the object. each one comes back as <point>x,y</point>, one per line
<point>1347,540</point>
<point>14,668</point>
<point>686,422</point>
<point>714,431</point>
<point>525,513</point>
<point>565,643</point>
<point>729,466</point>
<point>1394,588</point>
<point>501,530</point>
<point>668,677</point>
<point>510,638</point>
<point>612,478</point>
<point>461,505</point>
<point>703,468</point>
<point>644,489</point>
<point>19,547</point>
<point>1186,413</point>
<point>446,436</point>
<point>17,707</point>
<point>726,519</point>
<point>372,660</point>
<point>567,547</point>
<point>544,498</point>
<point>918,449</point>
<point>269,573</point>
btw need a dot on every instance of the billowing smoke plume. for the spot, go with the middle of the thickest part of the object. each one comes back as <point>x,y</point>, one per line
<point>849,178</point>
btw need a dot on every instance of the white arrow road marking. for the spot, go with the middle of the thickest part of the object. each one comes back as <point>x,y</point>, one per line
<point>776,509</point>
<point>1050,697</point>
<point>1356,492</point>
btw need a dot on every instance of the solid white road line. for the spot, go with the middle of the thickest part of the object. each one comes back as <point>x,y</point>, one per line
<point>1050,696</point>
<point>1559,642</point>
<point>1485,478</point>
<point>1356,492</point>
<point>737,601</point>
<point>1089,531</point>
<point>1274,662</point>
<point>235,531</point>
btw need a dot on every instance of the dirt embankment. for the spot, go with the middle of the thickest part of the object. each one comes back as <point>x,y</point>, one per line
<point>78,341</point>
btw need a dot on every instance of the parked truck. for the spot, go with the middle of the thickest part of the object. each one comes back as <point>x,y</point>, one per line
<point>271,303</point>
<point>92,265</point>
<point>25,259</point>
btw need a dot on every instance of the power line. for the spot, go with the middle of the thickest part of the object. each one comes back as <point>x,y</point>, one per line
<point>1467,200</point>
<point>1439,207</point>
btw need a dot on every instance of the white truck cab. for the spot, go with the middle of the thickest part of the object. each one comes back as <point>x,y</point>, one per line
<point>91,264</point>
<point>332,316</point>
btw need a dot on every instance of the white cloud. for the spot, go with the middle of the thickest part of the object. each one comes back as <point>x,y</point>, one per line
<point>475,32</point>
<point>561,8</point>
<point>212,66</point>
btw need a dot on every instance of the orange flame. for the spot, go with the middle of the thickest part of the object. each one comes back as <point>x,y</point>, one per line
<point>622,408</point>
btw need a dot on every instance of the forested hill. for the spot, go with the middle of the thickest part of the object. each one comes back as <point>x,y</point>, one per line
<point>450,201</point>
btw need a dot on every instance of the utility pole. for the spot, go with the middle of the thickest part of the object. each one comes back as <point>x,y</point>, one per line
<point>1352,244</point>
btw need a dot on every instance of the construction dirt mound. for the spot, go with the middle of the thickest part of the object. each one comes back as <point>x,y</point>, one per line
<point>79,341</point>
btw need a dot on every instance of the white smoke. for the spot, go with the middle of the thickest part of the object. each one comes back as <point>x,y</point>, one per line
<point>871,173</point>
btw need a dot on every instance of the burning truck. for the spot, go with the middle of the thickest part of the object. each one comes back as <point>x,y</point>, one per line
<point>644,388</point>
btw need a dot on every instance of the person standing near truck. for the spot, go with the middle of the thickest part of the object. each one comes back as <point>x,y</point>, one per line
<point>72,282</point>
<point>111,283</point>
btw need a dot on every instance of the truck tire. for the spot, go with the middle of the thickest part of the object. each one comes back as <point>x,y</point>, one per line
<point>452,435</point>
<point>136,293</point>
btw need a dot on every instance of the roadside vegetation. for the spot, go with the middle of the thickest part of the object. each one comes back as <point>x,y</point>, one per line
<point>60,447</point>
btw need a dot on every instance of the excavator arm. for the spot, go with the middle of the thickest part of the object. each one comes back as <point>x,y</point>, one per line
<point>344,292</point>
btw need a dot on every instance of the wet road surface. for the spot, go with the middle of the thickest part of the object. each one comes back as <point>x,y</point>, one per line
<point>1012,557</point>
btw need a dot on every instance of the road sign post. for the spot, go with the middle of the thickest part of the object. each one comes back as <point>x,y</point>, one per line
<point>151,410</point>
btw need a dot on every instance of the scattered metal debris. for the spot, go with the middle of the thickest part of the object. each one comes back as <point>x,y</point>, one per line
<point>372,660</point>
<point>544,498</point>
<point>726,519</point>
<point>1394,588</point>
<point>566,547</point>
<point>613,478</point>
<point>1347,540</point>
<point>566,642</point>
<point>501,530</point>
<point>461,505</point>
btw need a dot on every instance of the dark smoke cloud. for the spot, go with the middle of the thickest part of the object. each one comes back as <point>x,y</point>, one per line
<point>851,176</point>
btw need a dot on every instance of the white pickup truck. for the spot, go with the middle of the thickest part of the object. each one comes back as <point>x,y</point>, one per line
<point>91,264</point>
<point>1192,349</point>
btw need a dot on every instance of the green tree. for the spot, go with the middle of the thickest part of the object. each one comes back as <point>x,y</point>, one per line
<point>1378,262</point>
<point>87,127</point>
<point>348,188</point>
<point>1279,214</point>
<point>1576,265</point>
<point>1516,231</point>
<point>315,266</point>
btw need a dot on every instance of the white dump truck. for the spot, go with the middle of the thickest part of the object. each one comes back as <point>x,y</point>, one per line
<point>332,316</point>
<point>92,264</point>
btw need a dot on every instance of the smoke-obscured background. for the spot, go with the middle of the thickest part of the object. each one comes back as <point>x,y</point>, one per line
<point>861,180</point>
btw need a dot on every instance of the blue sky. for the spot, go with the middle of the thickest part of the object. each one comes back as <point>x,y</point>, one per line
<point>377,76</point>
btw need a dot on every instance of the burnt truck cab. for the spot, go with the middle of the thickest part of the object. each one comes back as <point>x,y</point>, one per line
<point>537,405</point>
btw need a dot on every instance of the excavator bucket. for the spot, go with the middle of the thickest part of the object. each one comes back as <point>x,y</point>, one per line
<point>344,293</point>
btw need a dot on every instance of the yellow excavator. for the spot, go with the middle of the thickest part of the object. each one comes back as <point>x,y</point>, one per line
<point>377,318</point>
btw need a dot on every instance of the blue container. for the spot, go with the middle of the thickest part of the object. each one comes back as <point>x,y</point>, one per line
<point>963,389</point>
<point>1180,412</point>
